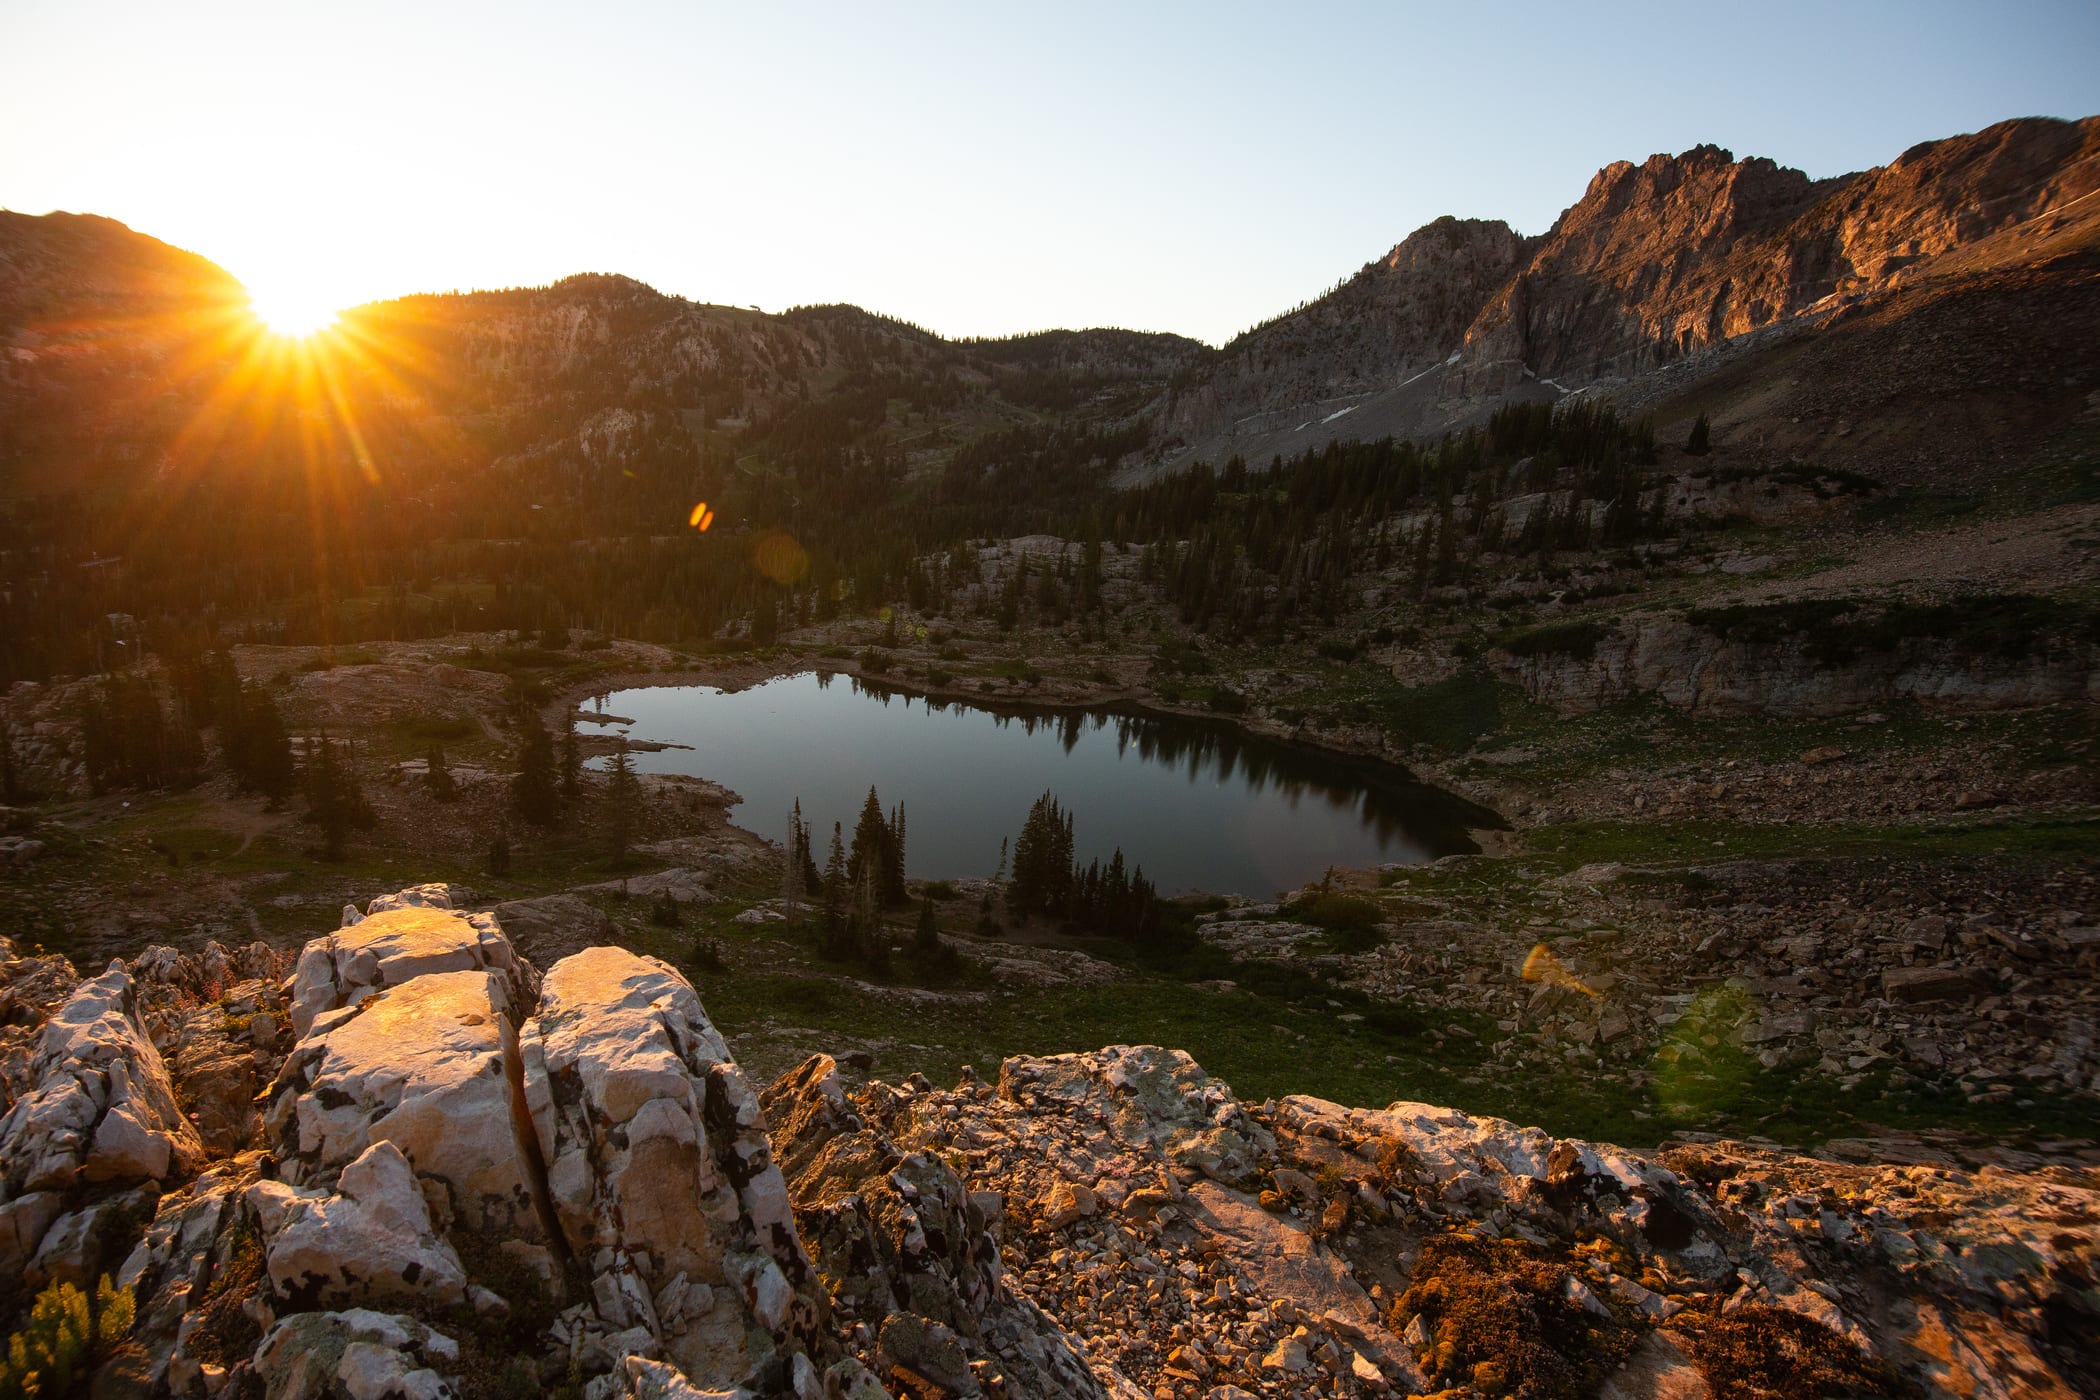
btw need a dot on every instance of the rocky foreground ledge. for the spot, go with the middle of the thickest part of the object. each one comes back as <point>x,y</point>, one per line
<point>413,1164</point>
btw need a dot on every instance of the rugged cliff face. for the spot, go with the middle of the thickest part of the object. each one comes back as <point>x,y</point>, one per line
<point>1657,262</point>
<point>1665,258</point>
<point>1398,318</point>
<point>475,1178</point>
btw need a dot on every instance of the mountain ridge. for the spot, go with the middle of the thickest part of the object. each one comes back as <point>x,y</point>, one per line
<point>1657,262</point>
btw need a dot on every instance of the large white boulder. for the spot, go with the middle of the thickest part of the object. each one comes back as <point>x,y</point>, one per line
<point>100,1106</point>
<point>369,1241</point>
<point>660,1172</point>
<point>396,945</point>
<point>425,1065</point>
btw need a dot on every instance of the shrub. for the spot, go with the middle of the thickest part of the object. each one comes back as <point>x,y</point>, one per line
<point>1765,1353</point>
<point>1500,1317</point>
<point>1226,701</point>
<point>1450,714</point>
<point>1350,916</point>
<point>65,1335</point>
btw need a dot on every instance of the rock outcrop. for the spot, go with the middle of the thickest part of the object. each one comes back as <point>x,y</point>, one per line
<point>910,1253</point>
<point>478,1181</point>
<point>659,1170</point>
<point>99,1106</point>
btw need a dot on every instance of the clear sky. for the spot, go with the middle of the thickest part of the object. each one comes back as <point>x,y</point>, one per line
<point>977,168</point>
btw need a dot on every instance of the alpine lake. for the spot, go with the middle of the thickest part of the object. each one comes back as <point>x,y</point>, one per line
<point>1198,804</point>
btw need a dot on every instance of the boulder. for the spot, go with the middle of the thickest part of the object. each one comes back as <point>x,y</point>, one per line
<point>553,926</point>
<point>660,1174</point>
<point>436,895</point>
<point>679,883</point>
<point>370,1241</point>
<point>357,1354</point>
<point>397,945</point>
<point>196,1237</point>
<point>100,1106</point>
<point>1154,1099</point>
<point>426,1064</point>
<point>1917,984</point>
<point>75,1248</point>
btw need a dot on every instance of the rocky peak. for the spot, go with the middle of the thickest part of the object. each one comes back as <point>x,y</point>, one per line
<point>1691,201</point>
<point>1442,245</point>
<point>1656,262</point>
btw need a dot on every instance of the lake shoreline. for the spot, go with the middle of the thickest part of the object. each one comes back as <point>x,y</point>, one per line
<point>1386,785</point>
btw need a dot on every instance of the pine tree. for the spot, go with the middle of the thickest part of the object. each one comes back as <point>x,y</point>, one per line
<point>926,938</point>
<point>1701,440</point>
<point>623,796</point>
<point>437,777</point>
<point>894,892</point>
<point>533,791</point>
<point>835,938</point>
<point>335,802</point>
<point>792,887</point>
<point>871,840</point>
<point>871,940</point>
<point>571,762</point>
<point>258,751</point>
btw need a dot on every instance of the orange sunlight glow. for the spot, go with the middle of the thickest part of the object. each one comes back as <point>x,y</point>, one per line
<point>291,311</point>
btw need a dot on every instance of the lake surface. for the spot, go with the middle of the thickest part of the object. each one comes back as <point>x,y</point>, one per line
<point>1200,805</point>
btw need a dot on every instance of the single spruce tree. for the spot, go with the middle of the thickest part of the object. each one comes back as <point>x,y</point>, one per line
<point>623,801</point>
<point>1701,440</point>
<point>792,888</point>
<point>437,777</point>
<point>834,934</point>
<point>870,835</point>
<point>533,790</point>
<point>571,762</point>
<point>926,938</point>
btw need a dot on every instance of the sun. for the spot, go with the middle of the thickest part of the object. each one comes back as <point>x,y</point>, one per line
<point>290,311</point>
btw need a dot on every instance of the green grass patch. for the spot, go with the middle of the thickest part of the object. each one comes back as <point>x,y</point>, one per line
<point>1449,716</point>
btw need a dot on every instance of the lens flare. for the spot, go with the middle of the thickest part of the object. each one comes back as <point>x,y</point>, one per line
<point>778,556</point>
<point>701,517</point>
<point>1540,965</point>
